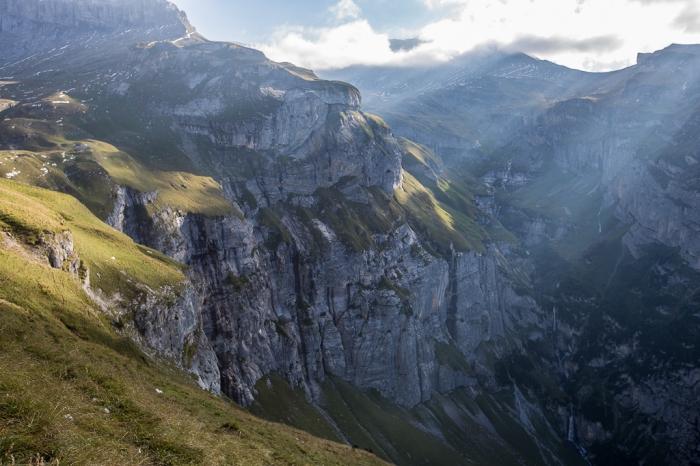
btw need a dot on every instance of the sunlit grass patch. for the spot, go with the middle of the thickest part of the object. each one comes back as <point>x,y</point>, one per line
<point>55,158</point>
<point>185,191</point>
<point>116,263</point>
<point>444,226</point>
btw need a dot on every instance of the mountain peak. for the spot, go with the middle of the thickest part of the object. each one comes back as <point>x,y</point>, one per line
<point>40,26</point>
<point>670,52</point>
<point>90,15</point>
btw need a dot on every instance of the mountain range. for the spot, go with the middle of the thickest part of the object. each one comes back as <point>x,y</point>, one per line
<point>491,261</point>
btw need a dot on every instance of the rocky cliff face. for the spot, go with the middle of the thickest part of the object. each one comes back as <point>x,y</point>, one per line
<point>58,27</point>
<point>283,292</point>
<point>92,14</point>
<point>66,18</point>
<point>635,135</point>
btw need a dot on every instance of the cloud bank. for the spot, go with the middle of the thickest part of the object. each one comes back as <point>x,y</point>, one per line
<point>594,35</point>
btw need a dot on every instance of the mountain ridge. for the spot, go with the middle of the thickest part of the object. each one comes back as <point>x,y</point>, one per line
<point>98,14</point>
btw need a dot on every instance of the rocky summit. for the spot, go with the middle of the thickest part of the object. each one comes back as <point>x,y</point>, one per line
<point>509,276</point>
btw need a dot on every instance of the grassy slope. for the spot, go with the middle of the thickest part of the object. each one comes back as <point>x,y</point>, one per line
<point>367,421</point>
<point>278,402</point>
<point>185,191</point>
<point>73,391</point>
<point>441,224</point>
<point>67,160</point>
<point>116,263</point>
<point>481,429</point>
<point>374,424</point>
<point>441,208</point>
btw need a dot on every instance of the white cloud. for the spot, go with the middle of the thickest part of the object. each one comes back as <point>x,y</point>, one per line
<point>585,34</point>
<point>332,47</point>
<point>346,9</point>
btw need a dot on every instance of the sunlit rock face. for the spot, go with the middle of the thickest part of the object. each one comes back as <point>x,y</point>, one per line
<point>60,27</point>
<point>93,14</point>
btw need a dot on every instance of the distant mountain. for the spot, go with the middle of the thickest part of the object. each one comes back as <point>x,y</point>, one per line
<point>477,99</point>
<point>597,176</point>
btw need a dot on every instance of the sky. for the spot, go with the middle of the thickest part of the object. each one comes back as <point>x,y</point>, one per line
<point>593,35</point>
